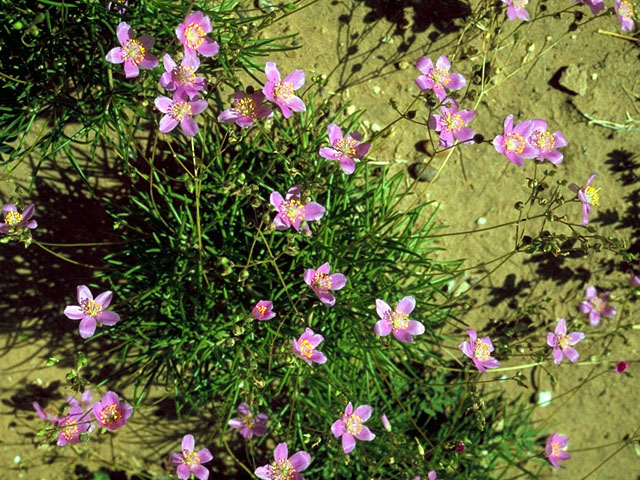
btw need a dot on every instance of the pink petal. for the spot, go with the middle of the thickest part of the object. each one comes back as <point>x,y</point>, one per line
<point>300,461</point>
<point>425,65</point>
<point>338,281</point>
<point>335,133</point>
<point>557,356</point>
<point>149,61</point>
<point>308,275</point>
<point>189,126</point>
<point>209,48</point>
<point>382,308</point>
<point>198,106</point>
<point>200,472</point>
<point>296,79</point>
<point>204,455</point>
<point>263,473</point>
<point>83,293</point>
<point>403,336</point>
<point>163,104</point>
<point>131,70</point>
<point>561,327</point>
<point>364,412</point>
<point>87,326</point>
<point>184,472</point>
<point>168,62</point>
<point>338,428</point>
<point>147,41</point>
<point>348,443</point>
<point>318,357</point>
<point>365,434</point>
<point>296,104</point>
<point>456,81</point>
<point>572,354</point>
<point>347,164</point>
<point>327,298</point>
<point>123,32</point>
<point>443,62</point>
<point>466,348</point>
<point>551,340</point>
<point>188,442</point>
<point>115,55</point>
<point>576,337</point>
<point>272,73</point>
<point>415,327</point>
<point>406,305</point>
<point>74,312</point>
<point>108,318</point>
<point>324,268</point>
<point>104,299</point>
<point>313,211</point>
<point>281,452</point>
<point>382,328</point>
<point>167,123</point>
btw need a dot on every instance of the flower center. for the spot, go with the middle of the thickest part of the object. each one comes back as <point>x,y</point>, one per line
<point>306,348</point>
<point>514,143</point>
<point>439,76</point>
<point>625,10</point>
<point>591,194</point>
<point>110,415</point>
<point>12,218</point>
<point>293,209</point>
<point>353,424</point>
<point>248,420</point>
<point>346,146</point>
<point>453,122</point>
<point>133,51</point>
<point>282,470</point>
<point>398,320</point>
<point>245,107</point>
<point>598,304</point>
<point>321,281</point>
<point>555,449</point>
<point>194,36</point>
<point>190,458</point>
<point>481,351</point>
<point>70,430</point>
<point>543,140</point>
<point>184,75</point>
<point>564,341</point>
<point>180,109</point>
<point>284,90</point>
<point>91,307</point>
<point>261,309</point>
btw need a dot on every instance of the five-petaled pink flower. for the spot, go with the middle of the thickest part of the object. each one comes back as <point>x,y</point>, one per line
<point>283,467</point>
<point>479,350</point>
<point>344,148</point>
<point>452,124</point>
<point>72,426</point>
<point>397,321</point>
<point>596,305</point>
<point>280,91</point>
<point>292,212</point>
<point>246,109</point>
<point>179,111</point>
<point>90,311</point>
<point>183,76</point>
<point>134,53</point>
<point>350,427</point>
<point>321,282</point>
<point>555,449</point>
<point>248,424</point>
<point>595,5</point>
<point>546,143</point>
<point>192,34</point>
<point>437,78</point>
<point>305,347</point>
<point>563,343</point>
<point>515,9</point>
<point>14,220</point>
<point>621,367</point>
<point>110,412</point>
<point>189,461</point>
<point>513,142</point>
<point>624,12</point>
<point>263,310</point>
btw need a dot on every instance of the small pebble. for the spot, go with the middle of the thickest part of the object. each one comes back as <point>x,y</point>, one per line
<point>16,459</point>
<point>376,89</point>
<point>375,127</point>
<point>481,221</point>
<point>543,398</point>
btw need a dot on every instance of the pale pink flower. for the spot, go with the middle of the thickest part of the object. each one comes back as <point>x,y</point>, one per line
<point>263,310</point>
<point>179,111</point>
<point>292,212</point>
<point>350,427</point>
<point>192,34</point>
<point>110,412</point>
<point>134,53</point>
<point>14,220</point>
<point>624,12</point>
<point>437,78</point>
<point>596,305</point>
<point>479,350</point>
<point>182,77</point>
<point>515,9</point>
<point>281,92</point>
<point>563,343</point>
<point>246,109</point>
<point>189,461</point>
<point>555,449</point>
<point>321,282</point>
<point>284,467</point>
<point>90,311</point>
<point>513,142</point>
<point>546,143</point>
<point>385,422</point>
<point>248,424</point>
<point>72,426</point>
<point>452,124</point>
<point>344,149</point>
<point>397,321</point>
<point>305,347</point>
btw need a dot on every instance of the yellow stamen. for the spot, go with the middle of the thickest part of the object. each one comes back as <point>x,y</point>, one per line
<point>194,36</point>
<point>12,218</point>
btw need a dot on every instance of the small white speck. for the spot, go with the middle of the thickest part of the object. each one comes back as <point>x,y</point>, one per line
<point>544,398</point>
<point>481,221</point>
<point>16,459</point>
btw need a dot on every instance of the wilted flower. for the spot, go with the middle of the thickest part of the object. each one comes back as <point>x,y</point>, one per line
<point>589,197</point>
<point>72,426</point>
<point>555,449</point>
<point>263,310</point>
<point>344,149</point>
<point>280,91</point>
<point>479,350</point>
<point>183,76</point>
<point>305,347</point>
<point>624,11</point>
<point>595,5</point>
<point>192,34</point>
<point>596,305</point>
<point>437,78</point>
<point>563,344</point>
<point>14,220</point>
<point>513,142</point>
<point>350,427</point>
<point>397,321</point>
<point>321,282</point>
<point>248,424</point>
<point>291,211</point>
<point>189,461</point>
<point>110,412</point>
<point>621,367</point>
<point>246,109</point>
<point>284,468</point>
<point>546,143</point>
<point>134,53</point>
<point>179,111</point>
<point>515,9</point>
<point>90,311</point>
<point>452,124</point>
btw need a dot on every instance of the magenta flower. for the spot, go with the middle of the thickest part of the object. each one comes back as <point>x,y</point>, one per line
<point>14,220</point>
<point>321,282</point>
<point>189,461</point>
<point>513,142</point>
<point>634,280</point>
<point>183,76</point>
<point>563,344</point>
<point>344,149</point>
<point>350,427</point>
<point>546,143</point>
<point>246,109</point>
<point>248,424</point>
<point>479,350</point>
<point>437,78</point>
<point>621,367</point>
<point>385,422</point>
<point>263,310</point>
<point>280,92</point>
<point>179,111</point>
<point>291,211</point>
<point>555,449</point>
<point>284,468</point>
<point>305,347</point>
<point>596,305</point>
<point>595,5</point>
<point>452,124</point>
<point>589,198</point>
<point>110,412</point>
<point>134,53</point>
<point>515,9</point>
<point>397,322</point>
<point>192,34</point>
<point>624,11</point>
<point>90,311</point>
<point>72,426</point>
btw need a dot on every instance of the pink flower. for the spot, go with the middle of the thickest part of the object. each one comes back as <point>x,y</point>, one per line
<point>596,305</point>
<point>90,311</point>
<point>72,426</point>
<point>179,111</point>
<point>134,53</point>
<point>291,211</point>
<point>85,400</point>
<point>624,11</point>
<point>189,461</point>
<point>248,424</point>
<point>438,78</point>
<point>246,109</point>
<point>555,449</point>
<point>350,427</point>
<point>344,149</point>
<point>48,414</point>
<point>263,310</point>
<point>563,344</point>
<point>385,422</point>
<point>452,124</point>
<point>595,5</point>
<point>515,8</point>
<point>513,142</point>
<point>321,282</point>
<point>397,322</point>
<point>305,347</point>
<point>589,197</point>
<point>14,220</point>
<point>634,280</point>
<point>479,350</point>
<point>283,467</point>
<point>191,34</point>
<point>280,92</point>
<point>183,76</point>
<point>110,412</point>
<point>546,143</point>
<point>621,367</point>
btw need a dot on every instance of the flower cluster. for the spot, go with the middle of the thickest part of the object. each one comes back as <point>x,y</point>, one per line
<point>529,139</point>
